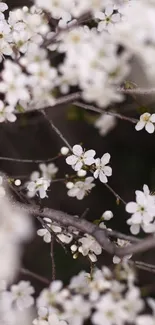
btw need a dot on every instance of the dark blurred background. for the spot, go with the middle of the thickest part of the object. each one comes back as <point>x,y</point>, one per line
<point>133,163</point>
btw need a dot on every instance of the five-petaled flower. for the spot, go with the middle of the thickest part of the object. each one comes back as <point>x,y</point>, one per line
<point>81,188</point>
<point>143,211</point>
<point>39,186</point>
<point>80,158</point>
<point>102,171</point>
<point>146,121</point>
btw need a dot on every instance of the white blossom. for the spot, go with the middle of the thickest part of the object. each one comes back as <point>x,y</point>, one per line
<point>89,247</point>
<point>63,236</point>
<point>81,188</point>
<point>109,311</point>
<point>146,121</point>
<point>48,171</point>
<point>143,211</point>
<point>22,294</point>
<point>80,158</point>
<point>76,310</point>
<point>7,113</point>
<point>105,123</point>
<point>40,186</point>
<point>47,318</point>
<point>122,243</point>
<point>108,18</point>
<point>14,83</point>
<point>102,171</point>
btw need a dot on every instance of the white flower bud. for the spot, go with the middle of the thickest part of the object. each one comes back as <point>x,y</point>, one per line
<point>81,173</point>
<point>107,215</point>
<point>25,9</point>
<point>116,260</point>
<point>64,151</point>
<point>69,185</point>
<point>17,182</point>
<point>73,248</point>
<point>75,256</point>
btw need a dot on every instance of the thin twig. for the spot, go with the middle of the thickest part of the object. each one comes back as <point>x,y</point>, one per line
<point>117,196</point>
<point>34,161</point>
<point>138,90</point>
<point>117,234</point>
<point>35,276</point>
<point>53,260</point>
<point>100,111</point>
<point>59,101</point>
<point>144,266</point>
<point>84,214</point>
<point>56,130</point>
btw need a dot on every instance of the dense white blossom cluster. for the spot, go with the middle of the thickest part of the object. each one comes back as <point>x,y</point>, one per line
<point>91,57</point>
<point>81,160</point>
<point>98,296</point>
<point>48,52</point>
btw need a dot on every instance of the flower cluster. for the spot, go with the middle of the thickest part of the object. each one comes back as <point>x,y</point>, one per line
<point>81,160</point>
<point>87,246</point>
<point>98,296</point>
<point>53,228</point>
<point>40,180</point>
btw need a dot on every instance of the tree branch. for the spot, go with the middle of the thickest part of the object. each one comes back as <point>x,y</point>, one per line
<point>34,275</point>
<point>101,111</point>
<point>34,161</point>
<point>84,226</point>
<point>57,130</point>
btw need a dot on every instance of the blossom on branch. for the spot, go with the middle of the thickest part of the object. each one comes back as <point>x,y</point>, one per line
<point>81,188</point>
<point>102,171</point>
<point>147,121</point>
<point>143,211</point>
<point>80,158</point>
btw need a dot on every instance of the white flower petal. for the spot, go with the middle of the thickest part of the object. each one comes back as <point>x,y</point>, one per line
<point>102,177</point>
<point>105,158</point>
<point>78,166</point>
<point>107,170</point>
<point>71,160</point>
<point>152,118</point>
<point>77,150</point>
<point>131,207</point>
<point>149,127</point>
<point>140,125</point>
<point>135,229</point>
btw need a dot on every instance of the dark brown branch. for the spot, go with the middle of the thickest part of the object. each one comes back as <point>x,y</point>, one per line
<point>85,226</point>
<point>67,220</point>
